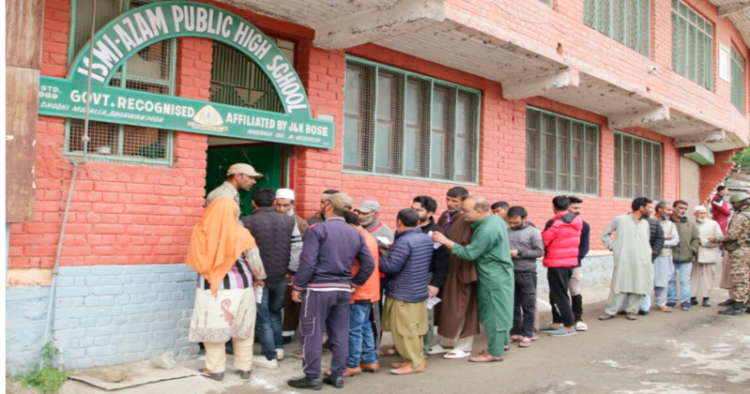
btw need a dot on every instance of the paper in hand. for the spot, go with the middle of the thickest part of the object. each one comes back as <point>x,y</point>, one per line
<point>435,245</point>
<point>432,301</point>
<point>258,295</point>
<point>383,240</point>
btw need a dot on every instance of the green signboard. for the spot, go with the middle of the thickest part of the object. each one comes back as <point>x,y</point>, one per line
<point>141,27</point>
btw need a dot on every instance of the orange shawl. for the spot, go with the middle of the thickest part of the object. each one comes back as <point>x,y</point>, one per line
<point>217,242</point>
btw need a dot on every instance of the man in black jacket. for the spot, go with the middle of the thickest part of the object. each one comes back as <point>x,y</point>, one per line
<point>426,207</point>
<point>273,232</point>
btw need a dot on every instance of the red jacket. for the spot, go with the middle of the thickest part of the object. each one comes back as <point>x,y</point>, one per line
<point>371,289</point>
<point>720,212</point>
<point>561,241</point>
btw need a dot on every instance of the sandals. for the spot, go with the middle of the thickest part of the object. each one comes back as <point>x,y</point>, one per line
<point>525,342</point>
<point>438,349</point>
<point>389,352</point>
<point>215,376</point>
<point>516,338</point>
<point>456,354</point>
<point>485,357</point>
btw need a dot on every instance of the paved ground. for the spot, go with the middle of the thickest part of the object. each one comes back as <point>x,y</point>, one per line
<point>692,352</point>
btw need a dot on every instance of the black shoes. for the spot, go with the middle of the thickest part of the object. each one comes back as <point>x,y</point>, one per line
<point>304,383</point>
<point>337,382</point>
<point>736,309</point>
<point>706,302</point>
<point>693,301</point>
<point>245,375</point>
<point>643,313</point>
<point>728,302</point>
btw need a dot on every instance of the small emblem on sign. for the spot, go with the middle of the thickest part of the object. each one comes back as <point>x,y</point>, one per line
<point>208,118</point>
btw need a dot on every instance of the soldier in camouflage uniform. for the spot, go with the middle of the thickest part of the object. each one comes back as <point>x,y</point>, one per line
<point>737,242</point>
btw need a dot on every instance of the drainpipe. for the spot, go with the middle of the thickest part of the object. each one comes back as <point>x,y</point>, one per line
<point>85,139</point>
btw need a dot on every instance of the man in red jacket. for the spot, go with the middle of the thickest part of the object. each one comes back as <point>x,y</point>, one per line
<point>561,240</point>
<point>720,211</point>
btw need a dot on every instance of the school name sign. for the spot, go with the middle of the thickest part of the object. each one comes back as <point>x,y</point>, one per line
<point>139,28</point>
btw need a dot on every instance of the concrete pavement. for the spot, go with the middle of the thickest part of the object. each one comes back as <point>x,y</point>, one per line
<point>692,352</point>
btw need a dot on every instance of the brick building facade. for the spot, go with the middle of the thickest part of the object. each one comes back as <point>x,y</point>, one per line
<point>132,221</point>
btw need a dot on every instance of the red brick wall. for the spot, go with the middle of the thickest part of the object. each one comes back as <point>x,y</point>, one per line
<point>713,176</point>
<point>502,150</point>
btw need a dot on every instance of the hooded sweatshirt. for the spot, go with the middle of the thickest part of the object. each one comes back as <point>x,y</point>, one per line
<point>528,242</point>
<point>561,240</point>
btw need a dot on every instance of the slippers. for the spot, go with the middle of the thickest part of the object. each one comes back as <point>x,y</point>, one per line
<point>437,349</point>
<point>485,357</point>
<point>389,352</point>
<point>526,342</point>
<point>456,354</point>
<point>516,338</point>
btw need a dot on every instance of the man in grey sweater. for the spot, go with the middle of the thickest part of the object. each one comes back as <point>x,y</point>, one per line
<point>526,245</point>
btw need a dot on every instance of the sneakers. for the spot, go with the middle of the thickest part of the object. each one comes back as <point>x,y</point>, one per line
<point>563,332</point>
<point>685,305</point>
<point>549,328</point>
<point>262,361</point>
<point>581,326</point>
<point>693,301</point>
<point>280,354</point>
<point>706,303</point>
<point>643,313</point>
<point>671,304</point>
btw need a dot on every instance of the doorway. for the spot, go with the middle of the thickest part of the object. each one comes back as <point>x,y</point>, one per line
<point>267,159</point>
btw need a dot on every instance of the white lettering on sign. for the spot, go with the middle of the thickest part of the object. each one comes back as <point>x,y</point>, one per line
<point>288,82</point>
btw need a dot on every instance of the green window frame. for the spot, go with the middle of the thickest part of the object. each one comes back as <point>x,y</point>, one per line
<point>692,45</point>
<point>152,70</point>
<point>403,124</point>
<point>562,153</point>
<point>638,167</point>
<point>625,21</point>
<point>738,81</point>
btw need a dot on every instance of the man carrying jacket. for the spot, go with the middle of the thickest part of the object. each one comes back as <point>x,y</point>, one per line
<point>682,256</point>
<point>325,278</point>
<point>561,249</point>
<point>274,232</point>
<point>405,312</point>
<point>425,206</point>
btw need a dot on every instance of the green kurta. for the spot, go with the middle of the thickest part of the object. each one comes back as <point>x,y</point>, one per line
<point>490,250</point>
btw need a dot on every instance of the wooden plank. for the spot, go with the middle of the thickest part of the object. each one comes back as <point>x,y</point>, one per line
<point>22,106</point>
<point>23,33</point>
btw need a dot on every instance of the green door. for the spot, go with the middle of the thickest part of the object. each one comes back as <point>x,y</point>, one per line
<point>267,159</point>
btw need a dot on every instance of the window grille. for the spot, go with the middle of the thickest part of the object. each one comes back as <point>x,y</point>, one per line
<point>150,70</point>
<point>738,81</point>
<point>638,167</point>
<point>237,80</point>
<point>404,124</point>
<point>692,45</point>
<point>562,154</point>
<point>625,21</point>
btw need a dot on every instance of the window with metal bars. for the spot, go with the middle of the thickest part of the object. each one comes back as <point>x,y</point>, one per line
<point>637,167</point>
<point>150,70</point>
<point>237,80</point>
<point>625,21</point>
<point>404,124</point>
<point>738,81</point>
<point>562,154</point>
<point>692,45</point>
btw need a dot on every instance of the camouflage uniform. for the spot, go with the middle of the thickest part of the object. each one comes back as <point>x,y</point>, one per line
<point>737,242</point>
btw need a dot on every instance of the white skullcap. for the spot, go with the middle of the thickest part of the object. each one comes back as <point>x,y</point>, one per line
<point>285,193</point>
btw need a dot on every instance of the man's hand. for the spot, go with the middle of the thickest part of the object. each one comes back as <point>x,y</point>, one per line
<point>439,237</point>
<point>291,280</point>
<point>514,253</point>
<point>297,296</point>
<point>712,240</point>
<point>259,283</point>
<point>432,291</point>
<point>669,238</point>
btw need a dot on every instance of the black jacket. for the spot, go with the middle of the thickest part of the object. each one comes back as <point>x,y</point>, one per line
<point>657,238</point>
<point>439,264</point>
<point>273,234</point>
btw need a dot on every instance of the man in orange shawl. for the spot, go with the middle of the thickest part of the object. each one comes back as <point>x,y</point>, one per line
<point>225,255</point>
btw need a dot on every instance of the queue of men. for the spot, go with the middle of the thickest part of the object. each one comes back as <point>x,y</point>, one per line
<point>345,273</point>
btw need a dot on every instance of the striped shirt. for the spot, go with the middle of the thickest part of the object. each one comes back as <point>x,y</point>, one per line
<point>241,275</point>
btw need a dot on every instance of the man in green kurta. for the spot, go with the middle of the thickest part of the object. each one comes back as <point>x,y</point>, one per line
<point>490,250</point>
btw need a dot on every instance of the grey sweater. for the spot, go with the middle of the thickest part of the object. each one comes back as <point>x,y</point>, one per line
<point>528,242</point>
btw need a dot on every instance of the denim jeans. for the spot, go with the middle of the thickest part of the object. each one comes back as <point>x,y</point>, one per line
<point>268,326</point>
<point>685,271</point>
<point>361,337</point>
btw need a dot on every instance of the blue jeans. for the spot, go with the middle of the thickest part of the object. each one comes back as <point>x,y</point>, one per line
<point>685,271</point>
<point>268,326</point>
<point>361,337</point>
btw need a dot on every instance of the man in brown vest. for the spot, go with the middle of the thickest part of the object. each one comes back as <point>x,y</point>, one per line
<point>457,315</point>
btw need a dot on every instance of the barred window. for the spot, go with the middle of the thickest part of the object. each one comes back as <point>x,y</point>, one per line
<point>738,81</point>
<point>404,124</point>
<point>150,70</point>
<point>625,21</point>
<point>562,154</point>
<point>637,167</point>
<point>692,45</point>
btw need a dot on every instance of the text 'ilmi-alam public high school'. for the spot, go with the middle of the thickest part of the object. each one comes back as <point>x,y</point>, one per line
<point>517,100</point>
